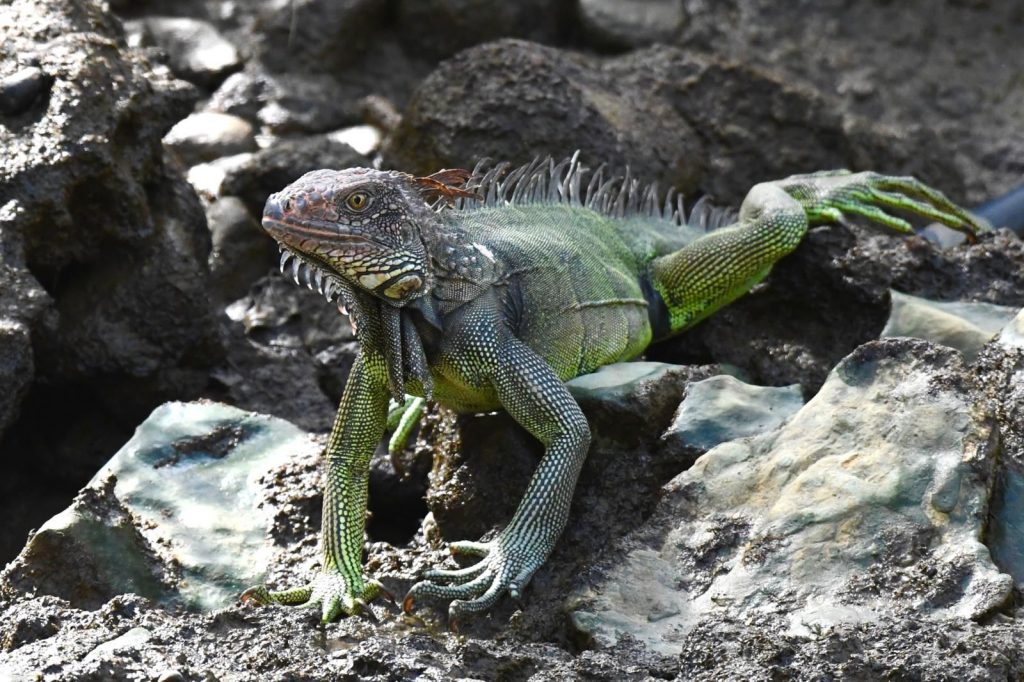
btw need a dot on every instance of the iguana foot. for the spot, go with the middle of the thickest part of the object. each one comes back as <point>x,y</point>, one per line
<point>505,566</point>
<point>402,419</point>
<point>831,196</point>
<point>331,591</point>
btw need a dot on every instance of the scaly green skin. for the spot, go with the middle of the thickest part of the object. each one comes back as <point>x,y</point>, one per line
<point>496,303</point>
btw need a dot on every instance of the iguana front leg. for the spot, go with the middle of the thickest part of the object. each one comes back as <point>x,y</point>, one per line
<point>534,396</point>
<point>340,587</point>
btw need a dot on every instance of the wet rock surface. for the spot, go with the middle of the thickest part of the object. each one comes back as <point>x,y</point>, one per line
<point>107,310</point>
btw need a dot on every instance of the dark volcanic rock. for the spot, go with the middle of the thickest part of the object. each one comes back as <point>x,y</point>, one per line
<point>443,27</point>
<point>103,246</point>
<point>322,36</point>
<point>674,116</point>
<point>196,51</point>
<point>947,67</point>
<point>242,252</point>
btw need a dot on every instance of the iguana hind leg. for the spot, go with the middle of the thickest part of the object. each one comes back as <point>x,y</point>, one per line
<point>718,268</point>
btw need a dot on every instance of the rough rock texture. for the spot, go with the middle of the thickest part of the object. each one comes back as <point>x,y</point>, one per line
<point>289,354</point>
<point>872,500</point>
<point>711,120</point>
<point>949,67</point>
<point>102,249</point>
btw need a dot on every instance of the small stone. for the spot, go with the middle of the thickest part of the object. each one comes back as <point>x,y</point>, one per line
<point>208,135</point>
<point>170,675</point>
<point>630,23</point>
<point>19,90</point>
<point>197,51</point>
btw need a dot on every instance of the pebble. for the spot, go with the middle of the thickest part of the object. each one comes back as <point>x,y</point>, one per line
<point>19,90</point>
<point>209,135</point>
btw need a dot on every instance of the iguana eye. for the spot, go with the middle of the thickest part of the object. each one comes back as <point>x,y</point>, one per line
<point>357,201</point>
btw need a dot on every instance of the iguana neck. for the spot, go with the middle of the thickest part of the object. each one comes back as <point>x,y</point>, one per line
<point>455,254</point>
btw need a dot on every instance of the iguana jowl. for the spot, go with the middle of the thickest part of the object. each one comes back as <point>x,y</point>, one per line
<point>489,289</point>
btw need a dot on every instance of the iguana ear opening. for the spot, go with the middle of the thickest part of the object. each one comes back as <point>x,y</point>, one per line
<point>447,184</point>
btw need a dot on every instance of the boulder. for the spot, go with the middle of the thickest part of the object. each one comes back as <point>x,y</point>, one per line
<point>712,120</point>
<point>870,501</point>
<point>103,247</point>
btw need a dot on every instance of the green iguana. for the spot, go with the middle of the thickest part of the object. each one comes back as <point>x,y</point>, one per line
<point>490,289</point>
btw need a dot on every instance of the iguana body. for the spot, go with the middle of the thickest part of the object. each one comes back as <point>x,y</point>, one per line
<point>527,279</point>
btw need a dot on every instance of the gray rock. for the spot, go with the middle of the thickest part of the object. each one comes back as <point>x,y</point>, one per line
<point>208,135</point>
<point>630,23</point>
<point>1000,370</point>
<point>320,36</point>
<point>197,52</point>
<point>241,253</point>
<point>871,500</point>
<point>103,247</point>
<point>441,28</point>
<point>710,118</point>
<point>1012,335</point>
<point>880,71</point>
<point>962,325</point>
<point>20,90</point>
<point>724,408</point>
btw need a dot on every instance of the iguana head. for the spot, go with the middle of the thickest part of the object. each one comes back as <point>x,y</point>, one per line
<point>366,227</point>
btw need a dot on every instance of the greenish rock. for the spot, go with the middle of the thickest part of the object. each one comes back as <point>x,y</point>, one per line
<point>870,501</point>
<point>177,515</point>
<point>724,408</point>
<point>964,325</point>
<point>1012,335</point>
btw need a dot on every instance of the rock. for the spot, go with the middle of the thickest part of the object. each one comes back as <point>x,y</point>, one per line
<point>633,23</point>
<point>103,249</point>
<point>20,90</point>
<point>1000,370</point>
<point>289,354</point>
<point>441,28</point>
<point>319,36</point>
<point>834,289</point>
<point>710,119</point>
<point>724,408</point>
<point>241,94</point>
<point>206,135</point>
<point>363,139</point>
<point>181,497</point>
<point>90,552</point>
<point>940,79</point>
<point>961,325</point>
<point>870,501</point>
<point>257,176</point>
<point>196,51</point>
<point>242,252</point>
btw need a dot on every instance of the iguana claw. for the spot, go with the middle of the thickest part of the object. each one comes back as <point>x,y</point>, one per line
<point>476,588</point>
<point>330,591</point>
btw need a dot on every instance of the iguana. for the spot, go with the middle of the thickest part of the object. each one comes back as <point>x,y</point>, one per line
<point>489,289</point>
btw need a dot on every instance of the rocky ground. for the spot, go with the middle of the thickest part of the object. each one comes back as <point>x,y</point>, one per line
<point>723,529</point>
